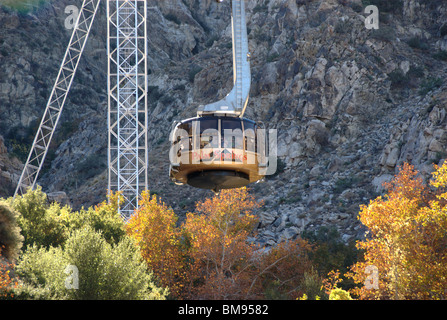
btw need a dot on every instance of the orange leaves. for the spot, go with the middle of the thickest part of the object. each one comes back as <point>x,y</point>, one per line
<point>7,283</point>
<point>218,237</point>
<point>226,265</point>
<point>407,241</point>
<point>285,266</point>
<point>153,227</point>
<point>208,256</point>
<point>406,184</point>
<point>233,207</point>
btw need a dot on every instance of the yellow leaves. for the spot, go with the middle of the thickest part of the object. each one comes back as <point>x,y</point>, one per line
<point>407,238</point>
<point>114,200</point>
<point>208,256</point>
<point>339,294</point>
<point>153,227</point>
<point>440,176</point>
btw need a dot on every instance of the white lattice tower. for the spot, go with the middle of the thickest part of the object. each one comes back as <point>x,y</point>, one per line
<point>56,101</point>
<point>127,101</point>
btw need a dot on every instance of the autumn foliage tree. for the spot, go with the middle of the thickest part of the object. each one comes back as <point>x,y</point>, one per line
<point>153,226</point>
<point>209,256</point>
<point>407,239</point>
<point>217,233</point>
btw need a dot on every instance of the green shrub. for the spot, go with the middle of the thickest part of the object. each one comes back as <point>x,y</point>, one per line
<point>105,271</point>
<point>343,27</point>
<point>273,57</point>
<point>104,217</point>
<point>415,72</point>
<point>110,265</point>
<point>193,71</point>
<point>384,33</point>
<point>41,272</point>
<point>23,6</point>
<point>345,183</point>
<point>153,95</point>
<point>440,55</point>
<point>39,221</point>
<point>172,17</point>
<point>44,224</point>
<point>429,85</point>
<point>312,285</point>
<point>280,167</point>
<point>91,166</point>
<point>418,43</point>
<point>19,139</point>
<point>261,8</point>
<point>11,239</point>
<point>385,5</point>
<point>398,78</point>
<point>443,30</point>
<point>330,252</point>
<point>356,7</point>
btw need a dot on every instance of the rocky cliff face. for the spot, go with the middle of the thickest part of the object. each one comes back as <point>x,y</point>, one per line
<point>350,104</point>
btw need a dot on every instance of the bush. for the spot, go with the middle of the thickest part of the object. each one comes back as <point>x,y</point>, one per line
<point>280,167</point>
<point>45,224</point>
<point>385,5</point>
<point>172,17</point>
<point>39,221</point>
<point>339,294</point>
<point>312,285</point>
<point>109,263</point>
<point>22,6</point>
<point>193,71</point>
<point>384,33</point>
<point>91,166</point>
<point>440,55</point>
<point>103,217</point>
<point>153,95</point>
<point>345,183</point>
<point>429,85</point>
<point>443,30</point>
<point>418,43</point>
<point>19,139</point>
<point>343,27</point>
<point>105,271</point>
<point>330,252</point>
<point>397,78</point>
<point>11,239</point>
<point>7,283</point>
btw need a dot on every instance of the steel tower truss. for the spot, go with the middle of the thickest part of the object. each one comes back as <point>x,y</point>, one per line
<point>127,100</point>
<point>58,95</point>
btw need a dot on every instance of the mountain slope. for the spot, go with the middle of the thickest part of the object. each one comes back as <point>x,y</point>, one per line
<point>350,104</point>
